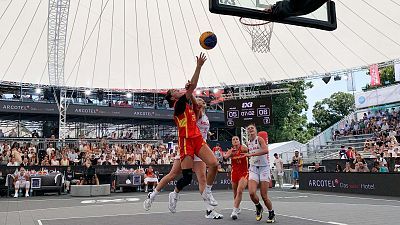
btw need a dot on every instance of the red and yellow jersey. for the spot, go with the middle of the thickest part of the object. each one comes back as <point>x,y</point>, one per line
<point>187,123</point>
<point>239,163</point>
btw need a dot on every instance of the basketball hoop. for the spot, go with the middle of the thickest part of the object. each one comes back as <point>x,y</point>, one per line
<point>260,32</point>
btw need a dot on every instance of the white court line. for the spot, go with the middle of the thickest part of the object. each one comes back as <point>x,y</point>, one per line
<point>302,218</point>
<point>114,196</point>
<point>125,214</point>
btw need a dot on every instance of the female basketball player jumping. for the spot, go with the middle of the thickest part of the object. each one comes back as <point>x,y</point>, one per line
<point>199,167</point>
<point>239,173</point>
<point>259,173</point>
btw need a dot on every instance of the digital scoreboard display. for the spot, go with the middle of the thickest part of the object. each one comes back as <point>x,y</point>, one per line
<point>242,112</point>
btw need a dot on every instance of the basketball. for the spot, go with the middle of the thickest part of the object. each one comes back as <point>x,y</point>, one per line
<point>208,40</point>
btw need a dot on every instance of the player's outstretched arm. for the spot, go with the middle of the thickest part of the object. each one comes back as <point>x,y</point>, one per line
<point>193,82</point>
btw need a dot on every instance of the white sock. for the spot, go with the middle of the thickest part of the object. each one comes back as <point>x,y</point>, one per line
<point>209,207</point>
<point>208,188</point>
<point>154,193</point>
<point>236,209</point>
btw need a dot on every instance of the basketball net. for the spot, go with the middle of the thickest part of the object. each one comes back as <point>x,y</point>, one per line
<point>260,32</point>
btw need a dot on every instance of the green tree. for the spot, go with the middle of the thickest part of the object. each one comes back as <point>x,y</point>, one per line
<point>330,110</point>
<point>289,121</point>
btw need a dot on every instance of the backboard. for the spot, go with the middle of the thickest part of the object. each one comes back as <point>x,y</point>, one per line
<point>324,18</point>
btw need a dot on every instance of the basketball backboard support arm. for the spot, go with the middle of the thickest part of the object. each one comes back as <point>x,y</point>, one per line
<point>233,10</point>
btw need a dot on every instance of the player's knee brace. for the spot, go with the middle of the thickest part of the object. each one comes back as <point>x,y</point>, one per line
<point>185,180</point>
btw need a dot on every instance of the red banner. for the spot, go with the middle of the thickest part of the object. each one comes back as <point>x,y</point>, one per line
<point>375,76</point>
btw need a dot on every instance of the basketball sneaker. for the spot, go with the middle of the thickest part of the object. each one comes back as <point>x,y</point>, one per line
<point>235,213</point>
<point>259,212</point>
<point>149,201</point>
<point>209,198</point>
<point>239,210</point>
<point>211,214</point>
<point>271,217</point>
<point>173,199</point>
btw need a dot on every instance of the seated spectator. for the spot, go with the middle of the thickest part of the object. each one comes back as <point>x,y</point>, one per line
<point>69,179</point>
<point>376,167</point>
<point>318,168</point>
<point>383,168</point>
<point>21,180</point>
<point>64,161</point>
<point>348,168</point>
<point>338,169</point>
<point>89,175</point>
<point>361,167</point>
<point>150,177</point>
<point>12,162</point>
<point>54,161</point>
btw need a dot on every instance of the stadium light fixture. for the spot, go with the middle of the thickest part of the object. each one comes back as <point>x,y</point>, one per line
<point>38,90</point>
<point>215,91</point>
<point>129,95</point>
<point>198,92</point>
<point>88,92</point>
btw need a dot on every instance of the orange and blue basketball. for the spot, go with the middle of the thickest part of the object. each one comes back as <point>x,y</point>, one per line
<point>208,40</point>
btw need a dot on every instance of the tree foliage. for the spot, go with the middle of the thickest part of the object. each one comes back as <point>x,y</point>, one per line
<point>330,110</point>
<point>289,121</point>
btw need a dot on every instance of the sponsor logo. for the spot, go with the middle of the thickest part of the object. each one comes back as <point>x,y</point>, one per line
<point>336,183</point>
<point>15,107</point>
<point>361,100</point>
<point>143,113</point>
<point>87,111</point>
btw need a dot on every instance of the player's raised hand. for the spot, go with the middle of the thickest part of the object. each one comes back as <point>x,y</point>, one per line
<point>201,59</point>
<point>187,86</point>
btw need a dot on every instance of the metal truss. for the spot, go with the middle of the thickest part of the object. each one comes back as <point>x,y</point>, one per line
<point>254,94</point>
<point>56,43</point>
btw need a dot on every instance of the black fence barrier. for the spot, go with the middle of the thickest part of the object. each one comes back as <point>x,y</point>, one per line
<point>358,183</point>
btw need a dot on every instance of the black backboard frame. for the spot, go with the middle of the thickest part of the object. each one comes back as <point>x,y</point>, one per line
<point>330,25</point>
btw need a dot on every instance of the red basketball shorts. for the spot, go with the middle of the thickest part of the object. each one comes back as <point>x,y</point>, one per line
<point>190,146</point>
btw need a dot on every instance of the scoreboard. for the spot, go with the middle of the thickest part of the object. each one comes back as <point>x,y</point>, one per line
<point>242,112</point>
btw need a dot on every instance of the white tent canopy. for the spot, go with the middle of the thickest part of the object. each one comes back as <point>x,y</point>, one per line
<point>151,44</point>
<point>285,150</point>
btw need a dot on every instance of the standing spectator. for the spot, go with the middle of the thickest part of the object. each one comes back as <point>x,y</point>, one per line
<point>279,169</point>
<point>350,153</point>
<point>35,134</point>
<point>16,153</point>
<point>21,180</point>
<point>217,150</point>
<point>342,152</point>
<point>296,165</point>
<point>12,134</point>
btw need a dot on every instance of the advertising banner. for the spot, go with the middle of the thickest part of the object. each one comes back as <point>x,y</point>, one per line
<point>381,96</point>
<point>359,183</point>
<point>95,111</point>
<point>375,76</point>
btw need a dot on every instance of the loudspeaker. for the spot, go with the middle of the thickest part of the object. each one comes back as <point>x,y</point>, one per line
<point>326,79</point>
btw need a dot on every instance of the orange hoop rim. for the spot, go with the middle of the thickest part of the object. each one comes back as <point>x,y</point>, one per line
<point>252,24</point>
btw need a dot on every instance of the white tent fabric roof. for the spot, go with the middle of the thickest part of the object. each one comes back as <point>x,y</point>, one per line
<point>285,149</point>
<point>151,44</point>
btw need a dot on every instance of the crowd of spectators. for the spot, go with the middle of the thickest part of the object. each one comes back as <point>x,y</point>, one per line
<point>372,122</point>
<point>102,153</point>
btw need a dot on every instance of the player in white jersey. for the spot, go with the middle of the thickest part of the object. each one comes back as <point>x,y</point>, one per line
<point>259,173</point>
<point>199,167</point>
